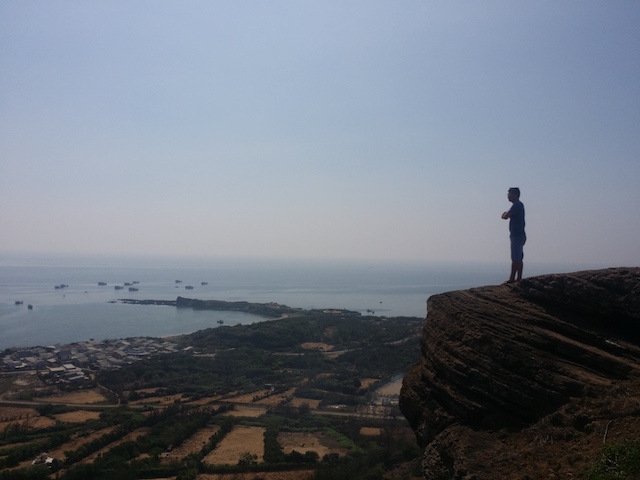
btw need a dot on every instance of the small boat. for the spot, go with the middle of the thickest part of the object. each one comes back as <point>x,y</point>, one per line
<point>102,284</point>
<point>189,287</point>
<point>178,281</point>
<point>133,289</point>
<point>118,287</point>
<point>30,307</point>
<point>220,322</point>
<point>204,283</point>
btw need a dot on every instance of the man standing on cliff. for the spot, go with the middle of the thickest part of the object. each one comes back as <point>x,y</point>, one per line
<point>516,234</point>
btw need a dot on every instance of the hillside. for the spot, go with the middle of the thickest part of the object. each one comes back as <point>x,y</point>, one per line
<point>527,381</point>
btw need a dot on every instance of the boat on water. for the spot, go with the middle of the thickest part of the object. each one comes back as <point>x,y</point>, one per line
<point>133,289</point>
<point>220,322</point>
<point>19,302</point>
<point>102,284</point>
<point>204,283</point>
<point>189,287</point>
<point>118,287</point>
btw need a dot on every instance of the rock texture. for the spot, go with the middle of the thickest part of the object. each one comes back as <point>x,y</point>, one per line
<point>504,367</point>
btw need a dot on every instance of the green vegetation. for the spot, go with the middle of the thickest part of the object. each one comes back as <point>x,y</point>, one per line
<point>333,361</point>
<point>261,360</point>
<point>620,460</point>
<point>246,357</point>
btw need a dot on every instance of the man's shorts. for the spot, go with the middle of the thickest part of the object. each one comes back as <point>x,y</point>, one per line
<point>517,244</point>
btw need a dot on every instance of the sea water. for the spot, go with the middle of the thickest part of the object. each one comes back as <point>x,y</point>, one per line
<point>84,310</point>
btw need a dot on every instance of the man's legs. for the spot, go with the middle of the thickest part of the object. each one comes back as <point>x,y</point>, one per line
<point>517,256</point>
<point>516,271</point>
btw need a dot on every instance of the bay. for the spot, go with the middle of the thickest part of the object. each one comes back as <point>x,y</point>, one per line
<point>83,309</point>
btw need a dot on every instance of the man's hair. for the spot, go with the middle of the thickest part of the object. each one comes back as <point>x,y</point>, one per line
<point>515,191</point>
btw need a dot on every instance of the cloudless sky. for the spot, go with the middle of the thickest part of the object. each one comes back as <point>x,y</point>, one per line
<point>335,129</point>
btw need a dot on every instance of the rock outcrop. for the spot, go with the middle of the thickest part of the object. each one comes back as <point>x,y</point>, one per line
<point>504,367</point>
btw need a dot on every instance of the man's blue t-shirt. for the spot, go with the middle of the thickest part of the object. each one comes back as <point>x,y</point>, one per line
<point>516,219</point>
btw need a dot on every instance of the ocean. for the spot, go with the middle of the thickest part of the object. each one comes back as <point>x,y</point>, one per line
<point>84,310</point>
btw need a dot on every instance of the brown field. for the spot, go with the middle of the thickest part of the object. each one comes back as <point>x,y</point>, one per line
<point>78,416</point>
<point>293,475</point>
<point>304,442</point>
<point>270,400</point>
<point>297,401</point>
<point>166,400</point>
<point>370,431</point>
<point>317,346</point>
<point>80,397</point>
<point>193,444</point>
<point>74,444</point>
<point>366,382</point>
<point>204,401</point>
<point>252,412</point>
<point>11,414</point>
<point>240,440</point>
<point>390,389</point>
<point>23,416</point>
<point>131,436</point>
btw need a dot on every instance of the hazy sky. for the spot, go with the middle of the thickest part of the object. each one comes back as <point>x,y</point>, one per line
<point>337,129</point>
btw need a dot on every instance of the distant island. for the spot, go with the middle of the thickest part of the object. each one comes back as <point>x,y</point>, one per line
<point>272,309</point>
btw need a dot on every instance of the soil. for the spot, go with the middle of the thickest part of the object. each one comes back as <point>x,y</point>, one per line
<point>304,442</point>
<point>297,401</point>
<point>390,389</point>
<point>130,437</point>
<point>81,397</point>
<point>192,445</point>
<point>78,416</point>
<point>28,416</point>
<point>239,441</point>
<point>366,382</point>
<point>240,411</point>
<point>271,400</point>
<point>11,414</point>
<point>73,444</point>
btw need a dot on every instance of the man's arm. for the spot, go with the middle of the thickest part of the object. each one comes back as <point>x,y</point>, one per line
<point>506,215</point>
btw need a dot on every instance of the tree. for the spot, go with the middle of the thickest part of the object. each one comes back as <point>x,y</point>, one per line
<point>247,458</point>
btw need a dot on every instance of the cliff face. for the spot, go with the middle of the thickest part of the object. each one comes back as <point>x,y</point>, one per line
<point>504,367</point>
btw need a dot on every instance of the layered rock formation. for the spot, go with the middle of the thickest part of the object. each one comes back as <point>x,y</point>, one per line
<point>502,367</point>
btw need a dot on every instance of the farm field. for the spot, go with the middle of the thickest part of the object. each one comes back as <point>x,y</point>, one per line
<point>130,437</point>
<point>192,445</point>
<point>239,441</point>
<point>249,400</point>
<point>79,397</point>
<point>246,411</point>
<point>78,416</point>
<point>314,442</point>
<point>24,416</point>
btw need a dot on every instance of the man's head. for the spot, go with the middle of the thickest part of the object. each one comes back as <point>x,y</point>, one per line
<point>513,194</point>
